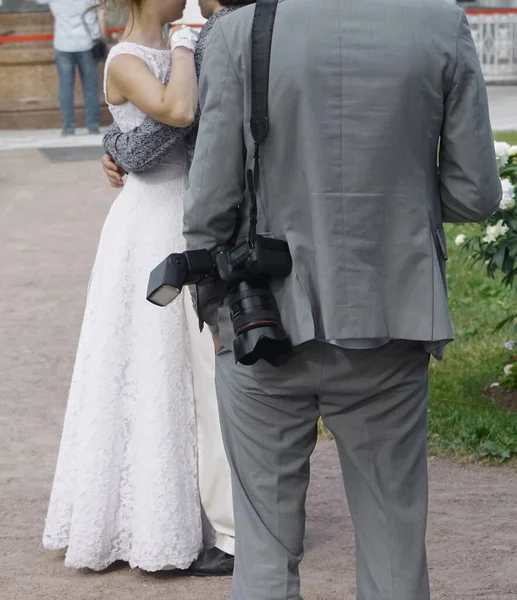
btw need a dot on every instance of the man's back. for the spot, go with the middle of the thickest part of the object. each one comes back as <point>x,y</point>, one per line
<point>360,93</point>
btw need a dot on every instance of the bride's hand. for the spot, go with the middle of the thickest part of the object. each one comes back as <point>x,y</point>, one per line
<point>174,30</point>
<point>183,28</point>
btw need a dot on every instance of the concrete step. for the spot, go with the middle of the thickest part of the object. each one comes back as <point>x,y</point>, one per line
<point>41,114</point>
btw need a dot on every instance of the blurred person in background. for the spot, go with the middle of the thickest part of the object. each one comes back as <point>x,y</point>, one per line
<point>78,24</point>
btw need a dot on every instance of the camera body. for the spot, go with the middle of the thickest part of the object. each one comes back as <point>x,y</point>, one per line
<point>257,262</point>
<point>247,268</point>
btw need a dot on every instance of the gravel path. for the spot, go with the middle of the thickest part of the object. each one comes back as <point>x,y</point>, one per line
<point>50,218</point>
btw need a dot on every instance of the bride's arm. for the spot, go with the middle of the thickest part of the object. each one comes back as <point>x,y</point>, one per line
<point>129,79</point>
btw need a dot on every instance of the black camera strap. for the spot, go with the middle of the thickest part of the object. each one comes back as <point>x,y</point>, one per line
<point>261,41</point>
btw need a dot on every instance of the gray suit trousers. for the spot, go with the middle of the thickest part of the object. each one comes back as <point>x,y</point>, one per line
<point>375,404</point>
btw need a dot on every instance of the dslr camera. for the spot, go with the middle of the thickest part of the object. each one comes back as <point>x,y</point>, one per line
<point>247,267</point>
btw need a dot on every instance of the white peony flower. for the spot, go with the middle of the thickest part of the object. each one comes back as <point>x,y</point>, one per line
<point>508,369</point>
<point>502,150</point>
<point>508,199</point>
<point>509,345</point>
<point>493,232</point>
<point>460,240</point>
<point>512,151</point>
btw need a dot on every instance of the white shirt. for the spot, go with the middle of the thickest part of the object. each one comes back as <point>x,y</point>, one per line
<point>70,34</point>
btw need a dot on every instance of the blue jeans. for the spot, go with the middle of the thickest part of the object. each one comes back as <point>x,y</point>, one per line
<point>66,63</point>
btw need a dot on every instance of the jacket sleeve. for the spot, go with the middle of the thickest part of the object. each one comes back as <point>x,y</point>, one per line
<point>217,176</point>
<point>469,178</point>
<point>217,180</point>
<point>145,146</point>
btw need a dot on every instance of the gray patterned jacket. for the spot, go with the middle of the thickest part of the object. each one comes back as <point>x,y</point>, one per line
<point>146,146</point>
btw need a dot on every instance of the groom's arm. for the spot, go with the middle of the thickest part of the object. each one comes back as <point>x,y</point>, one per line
<point>145,146</point>
<point>469,178</point>
<point>217,176</point>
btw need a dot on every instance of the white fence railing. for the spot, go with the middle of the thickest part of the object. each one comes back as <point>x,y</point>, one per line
<point>495,36</point>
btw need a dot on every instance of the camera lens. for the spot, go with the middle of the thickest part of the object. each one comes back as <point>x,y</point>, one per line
<point>258,330</point>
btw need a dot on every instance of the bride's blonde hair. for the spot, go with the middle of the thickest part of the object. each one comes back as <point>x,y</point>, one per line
<point>125,9</point>
<point>130,5</point>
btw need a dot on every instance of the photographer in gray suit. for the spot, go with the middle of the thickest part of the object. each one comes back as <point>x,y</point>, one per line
<point>362,95</point>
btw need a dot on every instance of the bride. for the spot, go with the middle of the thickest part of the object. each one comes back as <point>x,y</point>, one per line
<point>126,485</point>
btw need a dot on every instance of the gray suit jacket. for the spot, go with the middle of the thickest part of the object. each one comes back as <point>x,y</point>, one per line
<point>362,97</point>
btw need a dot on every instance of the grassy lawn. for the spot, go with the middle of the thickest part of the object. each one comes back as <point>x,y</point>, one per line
<point>463,421</point>
<point>510,137</point>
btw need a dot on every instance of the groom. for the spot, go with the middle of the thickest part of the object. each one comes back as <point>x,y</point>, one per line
<point>124,154</point>
<point>362,95</point>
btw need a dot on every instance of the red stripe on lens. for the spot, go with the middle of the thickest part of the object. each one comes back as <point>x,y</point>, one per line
<point>253,325</point>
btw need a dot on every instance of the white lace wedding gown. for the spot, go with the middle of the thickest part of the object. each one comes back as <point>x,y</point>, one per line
<point>126,485</point>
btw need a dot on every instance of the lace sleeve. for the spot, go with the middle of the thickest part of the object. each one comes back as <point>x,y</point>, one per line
<point>145,146</point>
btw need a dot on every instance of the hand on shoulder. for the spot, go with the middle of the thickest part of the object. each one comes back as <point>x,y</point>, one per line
<point>183,36</point>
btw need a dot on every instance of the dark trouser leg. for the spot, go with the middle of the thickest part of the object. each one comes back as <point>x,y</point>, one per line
<point>89,71</point>
<point>65,64</point>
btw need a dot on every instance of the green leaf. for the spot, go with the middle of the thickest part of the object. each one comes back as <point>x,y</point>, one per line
<point>498,259</point>
<point>504,323</point>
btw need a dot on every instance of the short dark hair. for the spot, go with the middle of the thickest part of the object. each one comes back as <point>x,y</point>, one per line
<point>236,2</point>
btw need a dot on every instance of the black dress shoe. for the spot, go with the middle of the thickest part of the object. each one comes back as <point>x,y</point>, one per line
<point>212,563</point>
